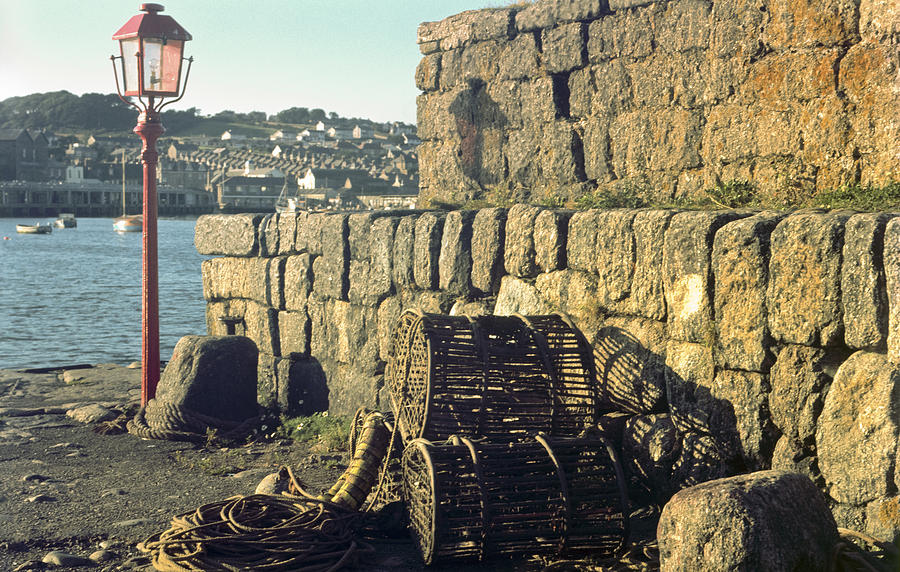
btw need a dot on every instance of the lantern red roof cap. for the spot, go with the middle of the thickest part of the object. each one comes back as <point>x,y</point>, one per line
<point>152,25</point>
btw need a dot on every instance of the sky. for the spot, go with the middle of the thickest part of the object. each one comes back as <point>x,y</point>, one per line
<point>353,57</point>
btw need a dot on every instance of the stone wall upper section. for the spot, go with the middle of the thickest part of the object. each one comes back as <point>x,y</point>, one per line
<point>554,99</point>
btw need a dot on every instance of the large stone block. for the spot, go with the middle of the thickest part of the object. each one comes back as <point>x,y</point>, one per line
<point>647,292</point>
<point>226,317</point>
<point>892,284</point>
<point>597,154</point>
<point>428,71</point>
<point>563,47</point>
<point>878,20</point>
<point>229,235</point>
<point>519,252</point>
<point>288,226</point>
<point>562,154</point>
<point>785,77</point>
<point>740,263</point>
<point>551,231</point>
<point>488,238</point>
<point>614,258</point>
<point>539,96</point>
<point>269,235</point>
<point>690,376</point>
<point>261,325</point>
<point>685,25</point>
<point>629,358</point>
<point>800,380</point>
<point>728,135</point>
<point>331,270</point>
<point>687,275</point>
<point>811,23</point>
<point>858,429</point>
<point>770,520</point>
<point>803,297</point>
<point>545,14</point>
<point>314,224</point>
<point>520,58</point>
<point>371,250</point>
<point>464,28</point>
<point>863,294</point>
<point>297,281</point>
<point>748,424</point>
<point>213,376</point>
<point>258,279</point>
<point>523,157</point>
<point>650,448</point>
<point>790,456</point>
<point>403,255</point>
<point>625,34</point>
<point>517,296</point>
<point>344,333</point>
<point>455,258</point>
<point>293,332</point>
<point>634,138</point>
<point>582,239</point>
<point>575,293</point>
<point>388,313</point>
<point>427,249</point>
<point>473,63</point>
<point>349,389</point>
<point>736,26</point>
<point>301,386</point>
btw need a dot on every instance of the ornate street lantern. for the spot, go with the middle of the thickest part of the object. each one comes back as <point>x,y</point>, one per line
<point>151,50</point>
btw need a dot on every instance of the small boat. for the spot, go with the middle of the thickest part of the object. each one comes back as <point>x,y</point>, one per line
<point>66,220</point>
<point>38,228</point>
<point>129,223</point>
<point>288,202</point>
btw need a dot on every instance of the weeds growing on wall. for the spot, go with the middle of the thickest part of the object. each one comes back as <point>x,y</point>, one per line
<point>737,194</point>
<point>322,431</point>
<point>626,196</point>
<point>864,198</point>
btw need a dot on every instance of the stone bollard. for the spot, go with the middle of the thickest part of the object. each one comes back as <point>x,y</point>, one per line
<point>212,375</point>
<point>769,520</point>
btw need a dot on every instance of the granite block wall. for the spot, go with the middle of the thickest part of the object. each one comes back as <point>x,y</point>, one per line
<point>724,341</point>
<point>549,100</point>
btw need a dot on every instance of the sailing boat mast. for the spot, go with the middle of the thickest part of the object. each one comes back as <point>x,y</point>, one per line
<point>124,212</point>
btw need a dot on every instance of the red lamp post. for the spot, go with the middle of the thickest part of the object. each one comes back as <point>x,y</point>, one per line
<point>151,54</point>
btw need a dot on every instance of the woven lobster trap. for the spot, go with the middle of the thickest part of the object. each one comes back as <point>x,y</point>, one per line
<point>474,501</point>
<point>494,376</point>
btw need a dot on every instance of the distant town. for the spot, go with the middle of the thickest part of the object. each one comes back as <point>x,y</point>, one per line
<point>251,164</point>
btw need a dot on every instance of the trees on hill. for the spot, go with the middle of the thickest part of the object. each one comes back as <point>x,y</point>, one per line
<point>61,110</point>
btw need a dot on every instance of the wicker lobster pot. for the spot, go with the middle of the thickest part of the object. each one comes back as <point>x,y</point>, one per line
<point>495,376</point>
<point>479,500</point>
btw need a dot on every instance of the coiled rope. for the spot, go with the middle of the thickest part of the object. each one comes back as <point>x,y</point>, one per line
<point>164,420</point>
<point>294,531</point>
<point>260,532</point>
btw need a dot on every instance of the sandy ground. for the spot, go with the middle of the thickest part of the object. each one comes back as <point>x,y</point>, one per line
<point>64,487</point>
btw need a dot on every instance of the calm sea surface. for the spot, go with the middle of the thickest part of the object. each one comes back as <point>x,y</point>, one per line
<point>74,296</point>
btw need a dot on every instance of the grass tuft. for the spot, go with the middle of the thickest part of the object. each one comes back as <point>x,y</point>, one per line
<point>321,431</point>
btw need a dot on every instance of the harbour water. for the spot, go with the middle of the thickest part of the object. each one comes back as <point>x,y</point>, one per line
<point>74,296</point>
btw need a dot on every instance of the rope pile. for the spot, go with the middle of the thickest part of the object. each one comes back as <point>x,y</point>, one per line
<point>260,532</point>
<point>163,420</point>
<point>294,531</point>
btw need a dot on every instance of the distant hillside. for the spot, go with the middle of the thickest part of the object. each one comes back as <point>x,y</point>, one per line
<point>100,113</point>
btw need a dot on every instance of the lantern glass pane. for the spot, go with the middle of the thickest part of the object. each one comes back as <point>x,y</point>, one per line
<point>153,65</point>
<point>130,49</point>
<point>171,65</point>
